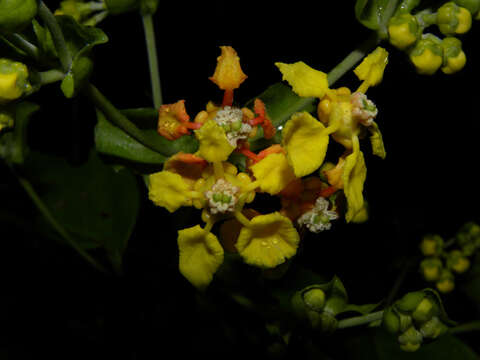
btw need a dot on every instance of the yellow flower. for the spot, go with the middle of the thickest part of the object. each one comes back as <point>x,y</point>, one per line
<point>304,80</point>
<point>268,241</point>
<point>371,69</point>
<point>273,173</point>
<point>353,177</point>
<point>214,144</point>
<point>169,190</point>
<point>306,143</point>
<point>200,255</point>
<point>8,86</point>
<point>228,74</point>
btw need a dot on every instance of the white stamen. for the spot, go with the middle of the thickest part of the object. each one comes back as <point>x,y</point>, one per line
<point>364,110</point>
<point>318,219</point>
<point>222,197</point>
<point>229,118</point>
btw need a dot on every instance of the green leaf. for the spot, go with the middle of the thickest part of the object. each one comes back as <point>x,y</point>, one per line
<point>96,206</point>
<point>281,103</point>
<point>13,145</point>
<point>372,13</point>
<point>377,344</point>
<point>113,141</point>
<point>80,41</point>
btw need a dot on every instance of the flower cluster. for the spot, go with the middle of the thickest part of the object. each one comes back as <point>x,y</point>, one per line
<point>209,181</point>
<point>442,262</point>
<point>427,52</point>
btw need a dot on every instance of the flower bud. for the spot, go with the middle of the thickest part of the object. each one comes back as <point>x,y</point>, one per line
<point>116,7</point>
<point>431,245</point>
<point>13,80</point>
<point>427,55</point>
<point>410,301</point>
<point>16,14</point>
<point>315,299</point>
<point>457,261</point>
<point>410,340</point>
<point>446,282</point>
<point>391,321</point>
<point>6,120</point>
<point>454,58</point>
<point>453,19</point>
<point>471,5</point>
<point>433,328</point>
<point>426,309</point>
<point>403,30</point>
<point>431,268</point>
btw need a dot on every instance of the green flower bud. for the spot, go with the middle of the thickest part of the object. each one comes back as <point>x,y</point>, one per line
<point>457,262</point>
<point>446,282</point>
<point>469,249</point>
<point>6,120</point>
<point>431,245</point>
<point>410,301</point>
<point>453,19</point>
<point>16,14</point>
<point>328,323</point>
<point>403,30</point>
<point>454,58</point>
<point>13,80</point>
<point>426,309</point>
<point>315,299</point>
<point>471,5</point>
<point>391,321</point>
<point>433,328</point>
<point>410,340</point>
<point>431,268</point>
<point>116,7</point>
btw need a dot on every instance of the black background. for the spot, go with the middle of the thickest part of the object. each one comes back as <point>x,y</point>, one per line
<point>55,304</point>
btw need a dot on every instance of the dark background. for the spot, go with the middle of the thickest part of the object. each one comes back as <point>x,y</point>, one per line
<point>53,303</point>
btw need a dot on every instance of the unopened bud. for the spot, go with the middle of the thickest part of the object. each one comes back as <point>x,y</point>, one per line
<point>16,14</point>
<point>13,80</point>
<point>315,299</point>
<point>454,58</point>
<point>431,245</point>
<point>391,321</point>
<point>427,54</point>
<point>457,261</point>
<point>410,301</point>
<point>6,120</point>
<point>453,19</point>
<point>425,310</point>
<point>410,340</point>
<point>431,268</point>
<point>433,328</point>
<point>446,283</point>
<point>403,30</point>
<point>471,5</point>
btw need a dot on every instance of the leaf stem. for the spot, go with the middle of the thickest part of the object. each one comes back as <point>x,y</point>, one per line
<point>57,36</point>
<point>147,20</point>
<point>50,76</point>
<point>23,44</point>
<point>352,59</point>
<point>27,186</point>
<point>360,320</point>
<point>471,326</point>
<point>118,119</point>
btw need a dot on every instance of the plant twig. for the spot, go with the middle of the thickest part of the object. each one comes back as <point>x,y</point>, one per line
<point>471,326</point>
<point>147,20</point>
<point>23,44</point>
<point>360,320</point>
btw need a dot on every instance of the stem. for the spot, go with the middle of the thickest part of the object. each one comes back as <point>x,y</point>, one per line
<point>118,119</point>
<point>147,20</point>
<point>57,226</point>
<point>51,76</point>
<point>23,44</point>
<point>471,326</point>
<point>352,59</point>
<point>387,14</point>
<point>57,36</point>
<point>360,320</point>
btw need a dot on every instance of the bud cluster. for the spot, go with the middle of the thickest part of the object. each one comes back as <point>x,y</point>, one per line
<point>416,317</point>
<point>428,52</point>
<point>442,263</point>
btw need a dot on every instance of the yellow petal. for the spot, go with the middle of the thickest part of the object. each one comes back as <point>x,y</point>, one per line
<point>8,86</point>
<point>200,255</point>
<point>273,172</point>
<point>306,143</point>
<point>372,67</point>
<point>228,74</point>
<point>214,145</point>
<point>354,175</point>
<point>304,80</point>
<point>268,241</point>
<point>376,140</point>
<point>168,190</point>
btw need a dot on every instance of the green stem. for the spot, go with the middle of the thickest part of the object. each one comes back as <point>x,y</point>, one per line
<point>471,326</point>
<point>50,76</point>
<point>118,119</point>
<point>152,59</point>
<point>57,36</point>
<point>360,320</point>
<point>56,225</point>
<point>387,14</point>
<point>20,42</point>
<point>352,59</point>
